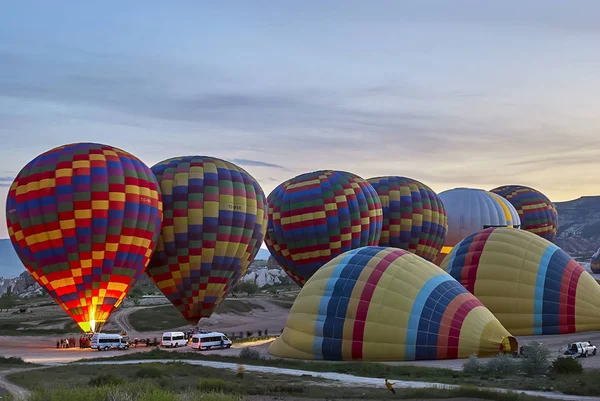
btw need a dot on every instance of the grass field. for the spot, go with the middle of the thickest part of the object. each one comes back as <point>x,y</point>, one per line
<point>5,395</point>
<point>12,363</point>
<point>74,383</point>
<point>40,320</point>
<point>168,317</point>
<point>587,383</point>
<point>159,318</point>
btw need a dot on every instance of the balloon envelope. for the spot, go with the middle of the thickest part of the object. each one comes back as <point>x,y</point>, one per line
<point>387,304</point>
<point>414,217</point>
<point>470,210</point>
<point>316,216</point>
<point>84,219</point>
<point>595,262</point>
<point>537,213</point>
<point>214,224</point>
<point>531,285</point>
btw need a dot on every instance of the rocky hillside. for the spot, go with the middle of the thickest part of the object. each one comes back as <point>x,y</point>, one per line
<point>266,272</point>
<point>262,272</point>
<point>579,225</point>
<point>23,286</point>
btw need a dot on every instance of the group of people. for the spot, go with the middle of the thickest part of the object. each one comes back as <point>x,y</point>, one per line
<point>84,342</point>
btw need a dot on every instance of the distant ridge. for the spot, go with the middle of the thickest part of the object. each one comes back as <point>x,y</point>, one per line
<point>579,225</point>
<point>11,266</point>
<point>578,234</point>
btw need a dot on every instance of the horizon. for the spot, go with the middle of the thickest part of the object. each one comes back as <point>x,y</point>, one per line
<point>453,95</point>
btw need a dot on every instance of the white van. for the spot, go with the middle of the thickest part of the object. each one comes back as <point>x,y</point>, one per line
<point>173,339</point>
<point>210,340</point>
<point>104,342</point>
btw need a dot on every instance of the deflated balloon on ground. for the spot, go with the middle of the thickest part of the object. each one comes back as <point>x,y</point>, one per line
<point>387,304</point>
<point>531,285</point>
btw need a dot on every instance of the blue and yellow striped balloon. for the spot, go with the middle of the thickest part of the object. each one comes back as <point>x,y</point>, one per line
<point>531,285</point>
<point>387,304</point>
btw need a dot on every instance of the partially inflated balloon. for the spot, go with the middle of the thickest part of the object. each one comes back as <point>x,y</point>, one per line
<point>316,216</point>
<point>595,262</point>
<point>538,214</point>
<point>387,304</point>
<point>531,285</point>
<point>471,210</point>
<point>414,217</point>
<point>84,219</point>
<point>214,224</point>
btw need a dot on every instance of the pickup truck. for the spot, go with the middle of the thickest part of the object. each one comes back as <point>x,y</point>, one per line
<point>581,349</point>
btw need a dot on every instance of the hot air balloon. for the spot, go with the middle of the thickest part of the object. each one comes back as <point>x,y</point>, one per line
<point>414,217</point>
<point>531,285</point>
<point>537,213</point>
<point>595,262</point>
<point>214,224</point>
<point>387,304</point>
<point>84,219</point>
<point>316,216</point>
<point>470,210</point>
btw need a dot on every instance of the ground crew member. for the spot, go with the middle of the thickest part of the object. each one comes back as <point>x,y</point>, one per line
<point>390,385</point>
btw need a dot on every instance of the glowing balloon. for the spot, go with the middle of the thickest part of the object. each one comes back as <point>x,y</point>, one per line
<point>414,217</point>
<point>84,219</point>
<point>316,216</point>
<point>387,304</point>
<point>470,210</point>
<point>531,285</point>
<point>537,213</point>
<point>214,224</point>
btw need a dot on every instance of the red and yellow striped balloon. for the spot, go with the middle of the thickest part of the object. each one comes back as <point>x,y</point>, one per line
<point>84,219</point>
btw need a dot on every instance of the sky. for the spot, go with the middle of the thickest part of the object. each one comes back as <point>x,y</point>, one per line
<point>454,94</point>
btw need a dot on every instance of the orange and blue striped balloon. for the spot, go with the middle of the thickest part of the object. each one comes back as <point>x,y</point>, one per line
<point>387,304</point>
<point>414,217</point>
<point>214,224</point>
<point>84,219</point>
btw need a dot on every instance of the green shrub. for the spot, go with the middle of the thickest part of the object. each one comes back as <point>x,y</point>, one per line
<point>286,389</point>
<point>501,365</point>
<point>139,391</point>
<point>105,380</point>
<point>536,359</point>
<point>249,353</point>
<point>13,360</point>
<point>566,366</point>
<point>473,366</point>
<point>149,372</point>
<point>216,385</point>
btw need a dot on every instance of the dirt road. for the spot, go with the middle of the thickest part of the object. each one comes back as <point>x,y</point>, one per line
<point>19,393</point>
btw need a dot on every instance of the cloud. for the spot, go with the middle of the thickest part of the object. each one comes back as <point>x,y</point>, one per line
<point>257,163</point>
<point>287,120</point>
<point>6,181</point>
